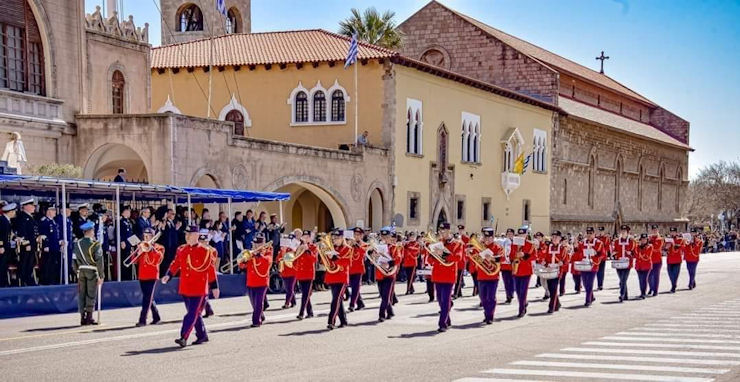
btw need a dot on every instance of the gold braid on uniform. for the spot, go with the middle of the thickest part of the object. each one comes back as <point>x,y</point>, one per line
<point>90,251</point>
<point>202,268</point>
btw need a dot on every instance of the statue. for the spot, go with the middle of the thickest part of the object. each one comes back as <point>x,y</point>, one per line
<point>15,153</point>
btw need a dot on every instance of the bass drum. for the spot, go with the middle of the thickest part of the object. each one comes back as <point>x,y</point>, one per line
<point>276,283</point>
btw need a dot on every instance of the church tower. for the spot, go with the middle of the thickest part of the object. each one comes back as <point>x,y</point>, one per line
<point>187,20</point>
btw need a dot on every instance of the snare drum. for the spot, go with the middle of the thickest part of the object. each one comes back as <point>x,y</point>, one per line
<point>623,263</point>
<point>548,273</point>
<point>583,266</point>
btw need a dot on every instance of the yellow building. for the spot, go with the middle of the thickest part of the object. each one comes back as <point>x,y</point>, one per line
<point>446,144</point>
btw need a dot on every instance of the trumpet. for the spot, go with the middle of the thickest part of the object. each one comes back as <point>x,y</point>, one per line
<point>375,257</point>
<point>325,248</point>
<point>429,241</point>
<point>244,256</point>
<point>144,246</point>
<point>289,258</point>
<point>485,264</point>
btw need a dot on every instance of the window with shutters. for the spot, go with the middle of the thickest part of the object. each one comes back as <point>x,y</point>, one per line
<point>118,85</point>
<point>319,106</point>
<point>237,118</point>
<point>337,106</point>
<point>21,51</point>
<point>301,107</point>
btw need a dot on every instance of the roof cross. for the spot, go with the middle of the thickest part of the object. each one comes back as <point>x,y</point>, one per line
<point>602,58</point>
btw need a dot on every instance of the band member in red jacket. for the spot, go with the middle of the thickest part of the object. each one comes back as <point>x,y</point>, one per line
<point>607,241</point>
<point>575,255</point>
<point>337,277</point>
<point>460,281</point>
<point>557,254</point>
<point>357,269</point>
<point>410,260</point>
<point>624,248</point>
<point>392,258</point>
<point>643,262</point>
<point>592,249</point>
<point>444,272</point>
<point>148,260</point>
<point>197,275</point>
<point>522,256</point>
<point>506,274</point>
<point>658,243</point>
<point>488,280</point>
<point>691,255</point>
<point>305,269</point>
<point>674,257</point>
<point>258,276</point>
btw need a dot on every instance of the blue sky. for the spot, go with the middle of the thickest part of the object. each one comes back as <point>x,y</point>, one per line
<point>682,54</point>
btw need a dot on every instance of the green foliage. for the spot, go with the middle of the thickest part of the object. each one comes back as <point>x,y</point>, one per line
<point>372,27</point>
<point>58,170</point>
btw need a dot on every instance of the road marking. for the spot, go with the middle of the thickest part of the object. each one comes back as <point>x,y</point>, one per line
<point>674,335</point>
<point>639,359</point>
<point>693,325</point>
<point>680,346</point>
<point>652,352</point>
<point>99,328</point>
<point>698,330</point>
<point>670,369</point>
<point>580,374</point>
<point>683,340</point>
<point>693,318</point>
<point>478,379</point>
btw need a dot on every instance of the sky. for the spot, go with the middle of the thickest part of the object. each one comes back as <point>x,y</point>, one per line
<point>681,54</point>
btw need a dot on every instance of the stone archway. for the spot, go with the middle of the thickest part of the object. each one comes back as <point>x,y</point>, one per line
<point>375,218</point>
<point>319,206</point>
<point>105,161</point>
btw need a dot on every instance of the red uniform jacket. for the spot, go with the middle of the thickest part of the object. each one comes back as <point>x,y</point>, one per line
<point>525,262</point>
<point>425,260</point>
<point>558,255</point>
<point>197,272</point>
<point>675,251</point>
<point>149,263</point>
<point>497,250</point>
<point>657,242</point>
<point>358,260</point>
<point>597,246</point>
<point>305,264</point>
<point>447,274</point>
<point>577,256</point>
<point>607,241</point>
<point>644,257</point>
<point>506,261</point>
<point>625,248</point>
<point>396,252</point>
<point>343,261</point>
<point>258,269</point>
<point>692,252</point>
<point>411,254</point>
<point>287,271</point>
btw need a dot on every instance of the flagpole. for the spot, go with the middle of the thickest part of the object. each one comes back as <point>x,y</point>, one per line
<point>210,76</point>
<point>357,103</point>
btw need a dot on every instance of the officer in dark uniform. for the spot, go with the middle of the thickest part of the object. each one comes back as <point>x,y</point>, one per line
<point>51,255</point>
<point>142,222</point>
<point>27,231</point>
<point>79,218</point>
<point>127,230</point>
<point>70,235</point>
<point>168,240</point>
<point>7,249</point>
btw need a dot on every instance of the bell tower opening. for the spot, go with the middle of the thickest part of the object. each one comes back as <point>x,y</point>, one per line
<point>188,20</point>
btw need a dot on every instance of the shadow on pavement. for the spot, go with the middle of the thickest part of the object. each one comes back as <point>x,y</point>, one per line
<point>429,333</point>
<point>52,328</point>
<point>168,349</point>
<point>234,314</point>
<point>304,333</point>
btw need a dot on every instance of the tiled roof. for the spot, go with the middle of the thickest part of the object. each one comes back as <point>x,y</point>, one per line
<point>551,59</point>
<point>617,122</point>
<point>286,47</point>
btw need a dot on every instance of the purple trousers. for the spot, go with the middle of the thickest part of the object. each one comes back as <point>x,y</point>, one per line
<point>577,282</point>
<point>508,284</point>
<point>192,319</point>
<point>521,283</point>
<point>147,301</point>
<point>588,285</point>
<point>643,276</point>
<point>410,273</point>
<point>654,279</point>
<point>562,284</point>
<point>355,299</point>
<point>487,292</point>
<point>673,271</point>
<point>257,299</point>
<point>337,304</point>
<point>552,287</point>
<point>289,286</point>
<point>623,275</point>
<point>385,290</point>
<point>444,296</point>
<point>691,267</point>
<point>306,289</point>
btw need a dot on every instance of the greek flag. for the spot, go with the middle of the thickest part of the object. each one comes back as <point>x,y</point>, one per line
<point>352,53</point>
<point>221,7</point>
<point>526,163</point>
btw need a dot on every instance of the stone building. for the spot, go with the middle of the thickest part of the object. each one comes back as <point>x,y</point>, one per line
<point>617,157</point>
<point>193,20</point>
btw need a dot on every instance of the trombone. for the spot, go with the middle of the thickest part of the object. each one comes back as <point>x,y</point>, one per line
<point>488,267</point>
<point>244,256</point>
<point>429,241</point>
<point>144,246</point>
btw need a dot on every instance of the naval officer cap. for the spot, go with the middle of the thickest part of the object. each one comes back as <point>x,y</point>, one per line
<point>148,231</point>
<point>488,232</point>
<point>654,226</point>
<point>86,226</point>
<point>9,207</point>
<point>624,227</point>
<point>192,229</point>
<point>643,236</point>
<point>521,231</point>
<point>358,230</point>
<point>203,234</point>
<point>28,201</point>
<point>337,232</point>
<point>306,232</point>
<point>673,229</point>
<point>385,231</point>
<point>556,233</point>
<point>82,206</point>
<point>259,238</point>
<point>589,229</point>
<point>509,230</point>
<point>444,225</point>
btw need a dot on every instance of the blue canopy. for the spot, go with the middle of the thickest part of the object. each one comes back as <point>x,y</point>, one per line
<point>47,187</point>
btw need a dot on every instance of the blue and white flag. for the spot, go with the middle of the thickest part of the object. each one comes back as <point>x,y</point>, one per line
<point>354,49</point>
<point>221,7</point>
<point>526,163</point>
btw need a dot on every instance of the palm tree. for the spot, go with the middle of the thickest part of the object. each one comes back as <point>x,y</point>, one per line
<point>372,27</point>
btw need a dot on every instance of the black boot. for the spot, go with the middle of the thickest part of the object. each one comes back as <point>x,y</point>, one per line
<point>83,319</point>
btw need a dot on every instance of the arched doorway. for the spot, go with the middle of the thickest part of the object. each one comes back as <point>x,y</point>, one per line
<point>311,206</point>
<point>375,210</point>
<point>104,163</point>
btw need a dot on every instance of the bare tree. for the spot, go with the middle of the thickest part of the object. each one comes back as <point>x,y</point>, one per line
<point>714,191</point>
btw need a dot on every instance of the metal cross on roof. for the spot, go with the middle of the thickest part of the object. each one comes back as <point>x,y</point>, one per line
<point>602,58</point>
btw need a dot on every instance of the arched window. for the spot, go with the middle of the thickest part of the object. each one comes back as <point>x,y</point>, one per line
<point>337,106</point>
<point>476,156</point>
<point>301,107</point>
<point>232,21</point>
<point>319,107</point>
<point>679,180</point>
<point>591,180</point>
<point>617,180</point>
<point>21,52</point>
<point>661,176</point>
<point>539,150</point>
<point>640,185</point>
<point>413,126</point>
<point>417,132</point>
<point>508,157</point>
<point>189,18</point>
<point>464,144</point>
<point>409,131</point>
<point>470,137</point>
<point>238,118</point>
<point>118,92</point>
<point>565,191</point>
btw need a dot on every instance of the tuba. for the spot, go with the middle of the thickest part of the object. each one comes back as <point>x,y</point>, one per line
<point>144,246</point>
<point>326,248</point>
<point>429,241</point>
<point>374,258</point>
<point>485,263</point>
<point>290,257</point>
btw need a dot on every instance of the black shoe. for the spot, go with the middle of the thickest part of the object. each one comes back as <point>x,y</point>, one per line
<point>508,301</point>
<point>140,324</point>
<point>550,311</point>
<point>621,299</point>
<point>520,315</point>
<point>254,326</point>
<point>342,324</point>
<point>299,317</point>
<point>330,327</point>
<point>292,304</point>
<point>578,292</point>
<point>431,299</point>
<point>381,319</point>
<point>182,342</point>
<point>488,322</point>
<point>601,288</point>
<point>155,321</point>
<point>642,297</point>
<point>208,314</point>
<point>309,315</point>
<point>200,341</point>
<point>545,297</point>
<point>360,306</point>
<point>286,306</point>
<point>442,330</point>
<point>83,320</point>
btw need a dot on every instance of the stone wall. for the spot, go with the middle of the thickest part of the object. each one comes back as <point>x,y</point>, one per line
<point>213,20</point>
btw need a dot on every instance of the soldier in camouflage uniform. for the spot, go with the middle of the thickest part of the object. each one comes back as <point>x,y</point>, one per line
<point>88,264</point>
